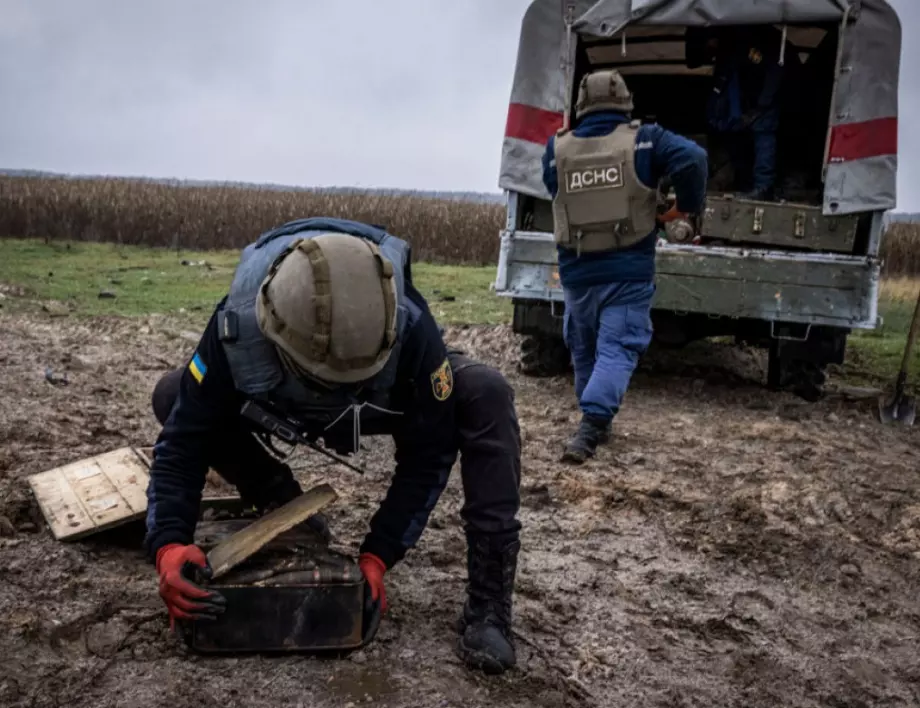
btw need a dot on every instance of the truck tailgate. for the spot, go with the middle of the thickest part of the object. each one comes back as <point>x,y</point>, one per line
<point>817,288</point>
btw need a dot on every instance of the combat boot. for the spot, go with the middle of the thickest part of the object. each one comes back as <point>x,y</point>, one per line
<point>760,194</point>
<point>591,432</point>
<point>605,433</point>
<point>485,641</point>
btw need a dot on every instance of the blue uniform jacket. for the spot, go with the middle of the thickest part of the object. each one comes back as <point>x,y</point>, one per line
<point>747,79</point>
<point>424,435</point>
<point>659,152</point>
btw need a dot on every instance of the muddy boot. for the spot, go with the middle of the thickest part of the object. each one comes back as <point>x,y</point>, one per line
<point>485,642</point>
<point>591,433</point>
<point>605,433</point>
<point>764,194</point>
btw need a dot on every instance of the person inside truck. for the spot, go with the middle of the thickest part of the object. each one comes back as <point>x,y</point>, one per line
<point>603,175</point>
<point>323,325</point>
<point>752,71</point>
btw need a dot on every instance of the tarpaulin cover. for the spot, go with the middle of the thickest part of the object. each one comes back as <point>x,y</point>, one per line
<point>862,155</point>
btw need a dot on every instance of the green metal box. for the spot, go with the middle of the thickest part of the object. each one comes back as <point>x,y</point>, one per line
<point>781,225</point>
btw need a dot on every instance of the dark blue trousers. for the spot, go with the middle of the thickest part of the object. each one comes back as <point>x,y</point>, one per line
<point>606,328</point>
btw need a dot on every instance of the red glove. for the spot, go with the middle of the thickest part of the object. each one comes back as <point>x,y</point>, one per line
<point>671,214</point>
<point>184,599</point>
<point>373,569</point>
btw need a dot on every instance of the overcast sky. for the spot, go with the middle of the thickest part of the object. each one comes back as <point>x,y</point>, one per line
<point>373,93</point>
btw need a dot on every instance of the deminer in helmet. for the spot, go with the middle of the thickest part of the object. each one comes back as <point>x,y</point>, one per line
<point>323,325</point>
<point>603,175</point>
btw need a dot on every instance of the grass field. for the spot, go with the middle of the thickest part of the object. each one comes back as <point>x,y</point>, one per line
<point>139,212</point>
<point>66,279</point>
<point>876,355</point>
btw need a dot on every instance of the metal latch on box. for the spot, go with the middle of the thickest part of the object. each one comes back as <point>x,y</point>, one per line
<point>758,220</point>
<point>799,225</point>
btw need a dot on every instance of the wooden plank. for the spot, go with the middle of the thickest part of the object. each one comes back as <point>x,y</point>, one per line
<point>60,506</point>
<point>92,495</point>
<point>146,455</point>
<point>123,473</point>
<point>244,543</point>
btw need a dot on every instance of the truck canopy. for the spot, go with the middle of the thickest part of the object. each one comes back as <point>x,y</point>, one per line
<point>861,155</point>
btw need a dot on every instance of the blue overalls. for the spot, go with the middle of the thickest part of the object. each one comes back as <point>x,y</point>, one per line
<point>745,104</point>
<point>608,295</point>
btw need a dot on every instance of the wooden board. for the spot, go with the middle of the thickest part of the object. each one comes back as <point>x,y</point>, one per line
<point>94,494</point>
<point>101,492</point>
<point>241,545</point>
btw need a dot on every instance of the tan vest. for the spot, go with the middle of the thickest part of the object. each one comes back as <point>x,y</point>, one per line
<point>601,204</point>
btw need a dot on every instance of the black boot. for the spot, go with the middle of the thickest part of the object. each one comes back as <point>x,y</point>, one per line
<point>591,433</point>
<point>605,433</point>
<point>485,624</point>
<point>760,194</point>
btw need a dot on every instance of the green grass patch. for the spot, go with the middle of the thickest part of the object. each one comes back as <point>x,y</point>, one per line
<point>69,277</point>
<point>461,294</point>
<point>874,357</point>
<point>144,281</point>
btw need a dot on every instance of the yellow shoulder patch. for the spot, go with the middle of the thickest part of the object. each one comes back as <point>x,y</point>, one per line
<point>755,56</point>
<point>442,381</point>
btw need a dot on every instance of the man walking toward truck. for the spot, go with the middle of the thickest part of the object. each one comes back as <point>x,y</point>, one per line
<point>603,175</point>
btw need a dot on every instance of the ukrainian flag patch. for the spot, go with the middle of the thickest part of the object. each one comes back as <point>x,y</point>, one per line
<point>198,368</point>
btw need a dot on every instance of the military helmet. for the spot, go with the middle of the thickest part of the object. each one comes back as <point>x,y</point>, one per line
<point>329,304</point>
<point>603,90</point>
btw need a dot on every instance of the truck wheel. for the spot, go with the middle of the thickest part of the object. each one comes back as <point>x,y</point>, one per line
<point>802,377</point>
<point>774,368</point>
<point>807,379</point>
<point>544,356</point>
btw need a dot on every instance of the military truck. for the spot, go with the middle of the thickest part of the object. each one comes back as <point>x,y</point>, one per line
<point>795,275</point>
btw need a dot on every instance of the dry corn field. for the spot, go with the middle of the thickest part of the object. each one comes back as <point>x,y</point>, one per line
<point>152,214</point>
<point>901,249</point>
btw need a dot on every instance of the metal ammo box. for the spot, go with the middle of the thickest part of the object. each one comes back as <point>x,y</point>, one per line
<point>295,594</point>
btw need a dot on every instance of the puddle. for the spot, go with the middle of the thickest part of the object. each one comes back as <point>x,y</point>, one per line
<point>361,683</point>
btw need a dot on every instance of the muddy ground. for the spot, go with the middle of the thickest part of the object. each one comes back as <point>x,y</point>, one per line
<point>731,547</point>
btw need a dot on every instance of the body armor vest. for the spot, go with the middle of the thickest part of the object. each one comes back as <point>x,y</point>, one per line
<point>254,362</point>
<point>601,205</point>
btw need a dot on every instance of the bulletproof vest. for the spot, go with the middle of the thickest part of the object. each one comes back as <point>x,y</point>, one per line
<point>254,362</point>
<point>601,205</point>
